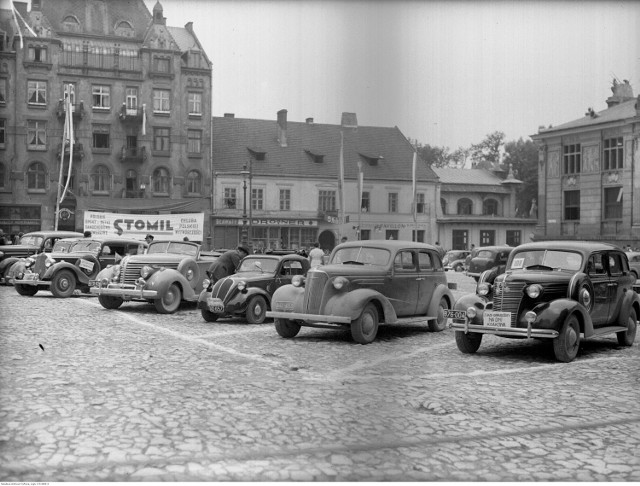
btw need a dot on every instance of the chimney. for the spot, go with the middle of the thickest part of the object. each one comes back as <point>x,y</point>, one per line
<point>349,120</point>
<point>282,128</point>
<point>621,92</point>
<point>229,115</point>
<point>309,121</point>
<point>189,27</point>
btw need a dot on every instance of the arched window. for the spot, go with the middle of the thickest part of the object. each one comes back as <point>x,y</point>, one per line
<point>465,206</point>
<point>71,24</point>
<point>161,181</point>
<point>490,207</point>
<point>194,182</point>
<point>101,179</point>
<point>37,176</point>
<point>443,205</point>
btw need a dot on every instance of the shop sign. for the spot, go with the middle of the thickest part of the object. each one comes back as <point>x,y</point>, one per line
<point>161,226</point>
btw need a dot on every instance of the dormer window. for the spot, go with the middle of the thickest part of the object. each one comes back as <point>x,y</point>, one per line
<point>124,29</point>
<point>372,160</point>
<point>257,153</point>
<point>315,157</point>
<point>37,53</point>
<point>70,24</point>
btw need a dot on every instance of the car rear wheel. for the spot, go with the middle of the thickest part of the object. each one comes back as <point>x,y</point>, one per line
<point>287,328</point>
<point>109,302</point>
<point>468,343</point>
<point>63,284</point>
<point>365,328</point>
<point>567,344</point>
<point>26,290</point>
<point>170,301</point>
<point>208,315</point>
<point>256,310</point>
<point>626,338</point>
<point>440,323</point>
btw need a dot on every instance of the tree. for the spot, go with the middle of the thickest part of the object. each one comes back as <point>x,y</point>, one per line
<point>522,157</point>
<point>487,153</point>
<point>433,156</point>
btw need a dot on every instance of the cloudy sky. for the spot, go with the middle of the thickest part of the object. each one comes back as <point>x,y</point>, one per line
<point>445,73</point>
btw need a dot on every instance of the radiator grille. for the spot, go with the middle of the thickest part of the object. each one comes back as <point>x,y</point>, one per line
<point>314,288</point>
<point>131,271</point>
<point>507,298</point>
<point>39,266</point>
<point>223,289</point>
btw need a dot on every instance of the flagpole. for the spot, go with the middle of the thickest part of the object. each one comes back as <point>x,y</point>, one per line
<point>64,139</point>
<point>414,208</point>
<point>341,185</point>
<point>68,135</point>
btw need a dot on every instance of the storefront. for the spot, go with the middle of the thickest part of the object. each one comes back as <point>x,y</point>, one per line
<point>20,218</point>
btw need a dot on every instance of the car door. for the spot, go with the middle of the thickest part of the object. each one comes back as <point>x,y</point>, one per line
<point>616,284</point>
<point>428,265</point>
<point>403,285</point>
<point>597,269</point>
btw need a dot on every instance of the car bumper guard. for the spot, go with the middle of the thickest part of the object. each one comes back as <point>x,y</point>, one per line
<point>124,291</point>
<point>527,332</point>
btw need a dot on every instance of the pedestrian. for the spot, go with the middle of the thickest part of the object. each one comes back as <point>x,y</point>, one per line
<point>3,241</point>
<point>343,239</point>
<point>185,239</point>
<point>227,263</point>
<point>148,239</point>
<point>315,255</point>
<point>440,249</point>
<point>87,234</point>
<point>18,238</point>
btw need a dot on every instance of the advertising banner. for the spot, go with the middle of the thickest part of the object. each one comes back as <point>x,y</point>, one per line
<point>161,226</point>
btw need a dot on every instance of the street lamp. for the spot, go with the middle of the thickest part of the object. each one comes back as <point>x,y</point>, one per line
<point>243,235</point>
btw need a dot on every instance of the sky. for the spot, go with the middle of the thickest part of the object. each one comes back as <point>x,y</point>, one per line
<point>445,73</point>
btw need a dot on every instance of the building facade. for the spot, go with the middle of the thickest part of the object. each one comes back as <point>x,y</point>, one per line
<point>478,207</point>
<point>277,184</point>
<point>589,183</point>
<point>140,94</point>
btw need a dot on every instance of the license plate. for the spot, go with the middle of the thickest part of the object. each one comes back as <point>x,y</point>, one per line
<point>455,314</point>
<point>284,306</point>
<point>496,319</point>
<point>215,305</point>
<point>31,276</point>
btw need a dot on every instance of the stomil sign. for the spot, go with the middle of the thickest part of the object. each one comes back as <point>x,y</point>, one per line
<point>161,226</point>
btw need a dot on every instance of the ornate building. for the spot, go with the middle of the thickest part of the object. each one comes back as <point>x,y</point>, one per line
<point>140,94</point>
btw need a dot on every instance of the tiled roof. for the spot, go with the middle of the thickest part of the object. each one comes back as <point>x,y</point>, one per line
<point>467,176</point>
<point>184,39</point>
<point>233,136</point>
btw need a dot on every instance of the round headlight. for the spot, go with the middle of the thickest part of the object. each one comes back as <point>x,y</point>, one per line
<point>531,317</point>
<point>20,275</point>
<point>297,281</point>
<point>145,271</point>
<point>242,285</point>
<point>472,312</point>
<point>104,282</point>
<point>484,289</point>
<point>340,283</point>
<point>534,291</point>
<point>205,283</point>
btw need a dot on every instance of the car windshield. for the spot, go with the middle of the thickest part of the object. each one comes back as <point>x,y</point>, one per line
<point>85,245</point>
<point>267,265</point>
<point>173,247</point>
<point>547,259</point>
<point>31,240</point>
<point>362,255</point>
<point>62,246</point>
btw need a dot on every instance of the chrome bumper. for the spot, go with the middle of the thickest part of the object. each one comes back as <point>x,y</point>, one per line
<point>33,283</point>
<point>298,316</point>
<point>125,292</point>
<point>529,332</point>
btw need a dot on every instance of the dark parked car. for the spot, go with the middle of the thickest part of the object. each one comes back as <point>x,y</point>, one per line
<point>169,273</point>
<point>248,292</point>
<point>30,244</point>
<point>488,258</point>
<point>558,290</point>
<point>364,284</point>
<point>634,263</point>
<point>455,260</point>
<point>72,267</point>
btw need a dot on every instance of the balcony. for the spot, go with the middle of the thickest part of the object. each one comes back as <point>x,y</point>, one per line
<point>78,151</point>
<point>133,154</point>
<point>130,115</point>
<point>133,194</point>
<point>77,110</point>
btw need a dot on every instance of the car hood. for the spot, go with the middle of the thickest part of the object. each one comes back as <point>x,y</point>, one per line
<point>157,258</point>
<point>545,277</point>
<point>11,249</point>
<point>252,276</point>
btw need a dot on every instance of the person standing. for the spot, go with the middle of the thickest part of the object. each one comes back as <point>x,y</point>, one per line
<point>148,239</point>
<point>440,249</point>
<point>315,255</point>
<point>227,263</point>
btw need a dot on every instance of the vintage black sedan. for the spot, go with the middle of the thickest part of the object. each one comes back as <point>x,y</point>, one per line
<point>488,258</point>
<point>248,292</point>
<point>558,290</point>
<point>364,284</point>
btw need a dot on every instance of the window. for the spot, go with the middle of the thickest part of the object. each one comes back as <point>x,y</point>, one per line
<point>65,175</point>
<point>425,261</point>
<point>37,92</point>
<point>393,202</point>
<point>230,197</point>
<point>365,234</point>
<point>490,207</point>
<point>3,176</point>
<point>420,207</point>
<point>131,99</point>
<point>459,239</point>
<point>613,203</point>
<point>487,237</point>
<point>37,54</point>
<point>101,137</point>
<point>612,157</point>
<point>161,102</point>
<point>194,141</point>
<point>365,204</point>
<point>70,24</point>
<point>194,102</point>
<point>571,158</point>
<point>3,91</point>
<point>161,181</point>
<point>161,65</point>
<point>69,90</point>
<point>37,135</point>
<point>257,196</point>
<point>465,206</point>
<point>285,199</point>
<point>443,205</point>
<point>616,266</point>
<point>131,183</point>
<point>161,139</point>
<point>514,237</point>
<point>419,237</point>
<point>194,182</point>
<point>101,96</point>
<point>572,205</point>
<point>37,177</point>
<point>101,179</point>
<point>3,131</point>
<point>327,201</point>
<point>391,234</point>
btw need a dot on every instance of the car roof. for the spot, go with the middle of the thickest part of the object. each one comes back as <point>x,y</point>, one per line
<point>495,248</point>
<point>277,256</point>
<point>388,244</point>
<point>581,246</point>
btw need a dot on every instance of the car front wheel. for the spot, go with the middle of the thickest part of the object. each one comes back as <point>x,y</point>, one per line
<point>441,322</point>
<point>256,310</point>
<point>63,284</point>
<point>468,343</point>
<point>365,328</point>
<point>567,344</point>
<point>287,328</point>
<point>626,338</point>
<point>170,301</point>
<point>26,290</point>
<point>109,302</point>
<point>208,316</point>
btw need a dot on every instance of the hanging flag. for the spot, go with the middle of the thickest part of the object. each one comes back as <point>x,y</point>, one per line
<point>341,178</point>
<point>68,137</point>
<point>144,119</point>
<point>413,185</point>
<point>15,19</point>
<point>360,184</point>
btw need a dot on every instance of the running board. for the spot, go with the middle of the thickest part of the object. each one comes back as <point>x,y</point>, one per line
<point>600,331</point>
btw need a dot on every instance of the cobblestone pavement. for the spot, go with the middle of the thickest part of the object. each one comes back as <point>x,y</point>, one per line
<point>90,394</point>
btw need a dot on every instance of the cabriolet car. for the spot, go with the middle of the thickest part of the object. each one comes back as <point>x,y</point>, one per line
<point>169,273</point>
<point>558,290</point>
<point>364,284</point>
<point>248,292</point>
<point>73,265</point>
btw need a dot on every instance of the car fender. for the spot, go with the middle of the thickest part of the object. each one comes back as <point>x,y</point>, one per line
<point>631,300</point>
<point>57,267</point>
<point>251,291</point>
<point>289,293</point>
<point>190,264</point>
<point>350,304</point>
<point>439,292</point>
<point>551,315</point>
<point>7,262</point>
<point>472,300</point>
<point>164,277</point>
